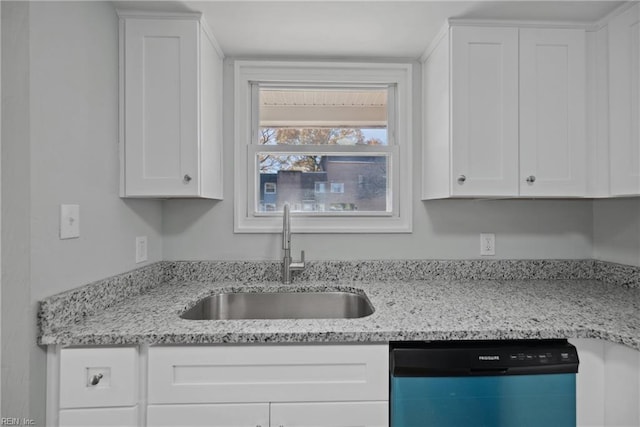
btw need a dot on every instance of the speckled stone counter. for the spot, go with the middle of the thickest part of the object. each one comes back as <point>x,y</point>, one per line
<point>426,309</point>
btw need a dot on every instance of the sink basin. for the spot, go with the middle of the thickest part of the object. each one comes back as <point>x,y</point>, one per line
<point>280,305</point>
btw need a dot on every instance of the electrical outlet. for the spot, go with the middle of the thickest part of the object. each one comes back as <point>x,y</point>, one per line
<point>487,244</point>
<point>141,249</point>
<point>69,221</point>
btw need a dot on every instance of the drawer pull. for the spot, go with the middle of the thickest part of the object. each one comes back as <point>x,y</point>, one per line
<point>95,380</point>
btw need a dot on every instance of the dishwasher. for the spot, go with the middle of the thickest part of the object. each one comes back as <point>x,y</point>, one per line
<point>505,383</point>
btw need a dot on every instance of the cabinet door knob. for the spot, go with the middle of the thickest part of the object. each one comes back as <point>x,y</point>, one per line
<point>461,179</point>
<point>96,379</point>
<point>531,179</point>
<point>187,179</point>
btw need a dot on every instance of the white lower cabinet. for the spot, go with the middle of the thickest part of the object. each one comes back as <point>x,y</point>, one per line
<point>307,414</point>
<point>111,417</point>
<point>330,414</point>
<point>216,415</point>
<point>283,385</point>
<point>608,384</point>
<point>269,385</point>
<point>97,387</point>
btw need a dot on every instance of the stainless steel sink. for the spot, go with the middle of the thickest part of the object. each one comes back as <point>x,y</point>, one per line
<point>280,305</point>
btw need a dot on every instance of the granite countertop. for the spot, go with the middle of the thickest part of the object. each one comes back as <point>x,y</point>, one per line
<point>434,309</point>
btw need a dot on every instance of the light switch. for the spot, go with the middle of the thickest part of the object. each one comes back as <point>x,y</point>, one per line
<point>141,249</point>
<point>69,221</point>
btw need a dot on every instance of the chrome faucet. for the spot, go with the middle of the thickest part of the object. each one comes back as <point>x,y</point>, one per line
<point>288,265</point>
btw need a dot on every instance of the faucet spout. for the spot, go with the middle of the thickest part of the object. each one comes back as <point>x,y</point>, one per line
<point>288,265</point>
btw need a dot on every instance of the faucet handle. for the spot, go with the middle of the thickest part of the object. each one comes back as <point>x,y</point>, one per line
<point>299,265</point>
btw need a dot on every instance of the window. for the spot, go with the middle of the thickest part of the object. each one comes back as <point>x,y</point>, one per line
<point>320,187</point>
<point>338,187</point>
<point>335,141</point>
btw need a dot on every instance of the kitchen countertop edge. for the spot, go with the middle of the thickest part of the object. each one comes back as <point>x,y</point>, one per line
<point>413,310</point>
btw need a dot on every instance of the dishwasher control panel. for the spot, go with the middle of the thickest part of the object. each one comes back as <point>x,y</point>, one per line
<point>508,357</point>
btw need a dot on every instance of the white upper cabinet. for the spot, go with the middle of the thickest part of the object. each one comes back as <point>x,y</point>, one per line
<point>624,96</point>
<point>171,107</point>
<point>553,149</point>
<point>505,113</point>
<point>484,94</point>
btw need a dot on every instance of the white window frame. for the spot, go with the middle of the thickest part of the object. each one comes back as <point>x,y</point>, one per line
<point>246,73</point>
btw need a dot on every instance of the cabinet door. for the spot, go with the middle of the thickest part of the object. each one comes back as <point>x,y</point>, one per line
<point>624,96</point>
<point>111,417</point>
<point>160,121</point>
<point>330,414</point>
<point>552,112</point>
<point>608,384</point>
<point>218,415</point>
<point>484,94</point>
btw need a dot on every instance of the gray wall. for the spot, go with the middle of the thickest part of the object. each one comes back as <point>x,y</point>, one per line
<point>616,230</point>
<point>17,336</point>
<point>59,145</point>
<point>200,229</point>
<point>0,209</point>
<point>74,154</point>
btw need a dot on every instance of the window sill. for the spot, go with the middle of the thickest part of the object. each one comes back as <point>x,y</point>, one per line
<point>342,225</point>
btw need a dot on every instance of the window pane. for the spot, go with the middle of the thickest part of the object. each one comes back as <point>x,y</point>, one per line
<point>317,116</point>
<point>323,183</point>
<point>322,136</point>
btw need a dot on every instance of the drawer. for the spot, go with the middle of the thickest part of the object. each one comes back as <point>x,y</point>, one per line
<point>98,377</point>
<point>111,417</point>
<point>268,373</point>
